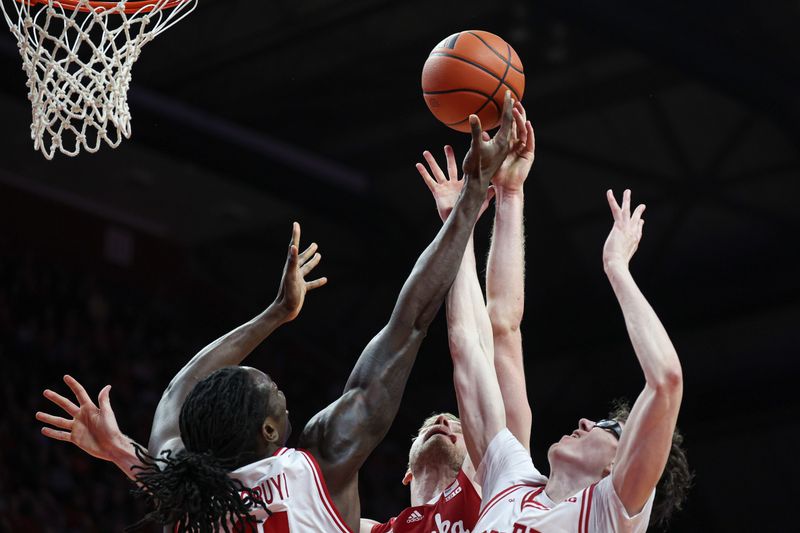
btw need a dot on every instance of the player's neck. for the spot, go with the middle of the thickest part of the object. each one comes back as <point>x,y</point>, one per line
<point>564,483</point>
<point>429,482</point>
<point>267,449</point>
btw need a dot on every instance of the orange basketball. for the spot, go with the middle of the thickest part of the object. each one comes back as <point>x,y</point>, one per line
<point>468,73</point>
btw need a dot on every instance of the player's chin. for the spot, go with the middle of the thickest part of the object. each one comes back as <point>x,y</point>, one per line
<point>437,445</point>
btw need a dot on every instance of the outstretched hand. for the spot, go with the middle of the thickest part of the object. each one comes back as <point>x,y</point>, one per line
<point>293,289</point>
<point>517,164</point>
<point>91,428</point>
<point>486,154</point>
<point>446,189</point>
<point>626,233</point>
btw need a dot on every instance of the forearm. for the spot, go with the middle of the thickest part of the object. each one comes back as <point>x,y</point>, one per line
<point>505,287</point>
<point>233,347</point>
<point>653,348</point>
<point>435,270</point>
<point>376,384</point>
<point>387,360</point>
<point>480,404</point>
<point>466,308</point>
<point>123,454</point>
<point>505,273</point>
<point>647,436</point>
<point>469,334</point>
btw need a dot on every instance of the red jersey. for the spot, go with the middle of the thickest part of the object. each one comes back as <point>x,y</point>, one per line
<point>454,511</point>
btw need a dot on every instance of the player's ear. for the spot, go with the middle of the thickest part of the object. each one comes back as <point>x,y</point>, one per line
<point>407,478</point>
<point>269,430</point>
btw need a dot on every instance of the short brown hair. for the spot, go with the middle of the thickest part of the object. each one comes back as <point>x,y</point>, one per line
<point>675,482</point>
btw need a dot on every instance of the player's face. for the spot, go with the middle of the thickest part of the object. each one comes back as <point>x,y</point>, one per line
<point>439,440</point>
<point>590,448</point>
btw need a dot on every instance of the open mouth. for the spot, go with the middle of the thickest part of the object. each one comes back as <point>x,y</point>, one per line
<point>439,431</point>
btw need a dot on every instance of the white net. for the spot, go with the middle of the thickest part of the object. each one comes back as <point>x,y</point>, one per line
<point>78,55</point>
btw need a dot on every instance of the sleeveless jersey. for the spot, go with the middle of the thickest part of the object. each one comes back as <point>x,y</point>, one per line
<point>455,510</point>
<point>515,500</point>
<point>291,485</point>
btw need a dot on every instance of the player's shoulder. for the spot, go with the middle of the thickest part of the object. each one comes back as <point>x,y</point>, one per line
<point>318,429</point>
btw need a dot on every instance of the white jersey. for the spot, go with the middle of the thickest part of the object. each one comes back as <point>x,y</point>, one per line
<point>291,485</point>
<point>514,500</point>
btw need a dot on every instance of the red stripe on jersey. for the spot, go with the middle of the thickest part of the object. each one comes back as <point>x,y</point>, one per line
<point>529,500</point>
<point>580,517</point>
<point>280,451</point>
<point>500,495</point>
<point>322,488</point>
<point>588,508</point>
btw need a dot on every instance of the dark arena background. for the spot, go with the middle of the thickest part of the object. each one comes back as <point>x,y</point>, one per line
<point>117,267</point>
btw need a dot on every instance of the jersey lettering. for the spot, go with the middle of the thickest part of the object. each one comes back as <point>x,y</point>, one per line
<point>444,526</point>
<point>272,489</point>
<point>293,493</point>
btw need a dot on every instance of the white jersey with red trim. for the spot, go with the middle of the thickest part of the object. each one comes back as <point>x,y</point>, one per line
<point>514,500</point>
<point>291,485</point>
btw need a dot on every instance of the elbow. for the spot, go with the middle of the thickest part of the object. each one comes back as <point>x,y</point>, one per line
<point>671,381</point>
<point>460,338</point>
<point>504,323</point>
<point>505,328</point>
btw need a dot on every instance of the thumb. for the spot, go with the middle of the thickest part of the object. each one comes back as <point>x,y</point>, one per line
<point>103,399</point>
<point>475,129</point>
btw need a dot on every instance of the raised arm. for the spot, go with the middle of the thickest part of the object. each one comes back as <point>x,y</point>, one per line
<point>342,435</point>
<point>647,435</point>
<point>505,278</point>
<point>468,328</point>
<point>469,332</point>
<point>233,347</point>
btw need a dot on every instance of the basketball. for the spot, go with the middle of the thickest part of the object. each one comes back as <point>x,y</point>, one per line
<point>468,73</point>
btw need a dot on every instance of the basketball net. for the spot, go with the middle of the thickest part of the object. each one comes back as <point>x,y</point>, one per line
<point>78,55</point>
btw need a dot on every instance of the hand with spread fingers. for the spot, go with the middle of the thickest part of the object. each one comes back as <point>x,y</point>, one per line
<point>517,164</point>
<point>446,189</point>
<point>626,233</point>
<point>92,428</point>
<point>294,286</point>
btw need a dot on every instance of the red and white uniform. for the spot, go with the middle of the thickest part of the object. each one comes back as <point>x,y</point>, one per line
<point>514,500</point>
<point>455,510</point>
<point>291,485</point>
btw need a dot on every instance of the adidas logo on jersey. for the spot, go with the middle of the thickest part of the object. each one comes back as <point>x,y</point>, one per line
<point>416,516</point>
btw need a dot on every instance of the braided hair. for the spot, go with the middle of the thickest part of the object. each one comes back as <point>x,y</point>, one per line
<point>220,424</point>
